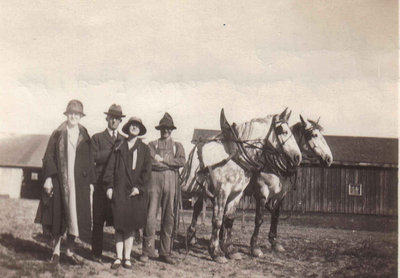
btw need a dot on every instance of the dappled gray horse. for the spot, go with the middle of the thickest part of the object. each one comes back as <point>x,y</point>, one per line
<point>224,165</point>
<point>268,188</point>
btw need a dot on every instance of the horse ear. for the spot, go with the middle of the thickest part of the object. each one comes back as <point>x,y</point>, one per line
<point>288,115</point>
<point>282,116</point>
<point>303,122</point>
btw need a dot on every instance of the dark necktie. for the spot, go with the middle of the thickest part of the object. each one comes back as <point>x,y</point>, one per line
<point>113,136</point>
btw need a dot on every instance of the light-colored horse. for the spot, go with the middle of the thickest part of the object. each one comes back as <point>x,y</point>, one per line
<point>268,187</point>
<point>224,166</point>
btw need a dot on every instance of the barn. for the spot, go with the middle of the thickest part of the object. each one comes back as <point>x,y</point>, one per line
<point>21,164</point>
<point>362,179</point>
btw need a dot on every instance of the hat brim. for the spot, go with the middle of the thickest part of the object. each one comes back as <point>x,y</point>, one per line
<point>79,112</point>
<point>159,127</point>
<point>115,115</point>
<point>125,128</point>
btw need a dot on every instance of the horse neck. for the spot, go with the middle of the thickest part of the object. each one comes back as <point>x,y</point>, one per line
<point>255,133</point>
<point>298,133</point>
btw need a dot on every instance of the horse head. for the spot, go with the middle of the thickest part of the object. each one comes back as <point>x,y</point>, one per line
<point>281,138</point>
<point>311,141</point>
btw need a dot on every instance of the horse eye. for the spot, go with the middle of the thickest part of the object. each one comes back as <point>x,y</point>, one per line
<point>279,130</point>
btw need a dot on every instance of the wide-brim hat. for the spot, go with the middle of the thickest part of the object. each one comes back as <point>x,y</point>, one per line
<point>166,122</point>
<point>134,120</point>
<point>74,106</point>
<point>115,111</point>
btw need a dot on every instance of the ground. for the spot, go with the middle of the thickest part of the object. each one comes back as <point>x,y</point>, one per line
<point>316,246</point>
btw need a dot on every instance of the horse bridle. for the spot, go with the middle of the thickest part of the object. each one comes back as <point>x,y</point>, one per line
<point>307,135</point>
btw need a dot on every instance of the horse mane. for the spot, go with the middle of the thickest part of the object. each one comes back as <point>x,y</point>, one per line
<point>316,125</point>
<point>255,128</point>
<point>297,128</point>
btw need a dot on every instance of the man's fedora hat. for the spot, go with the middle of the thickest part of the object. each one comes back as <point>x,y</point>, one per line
<point>166,122</point>
<point>74,106</point>
<point>115,110</point>
<point>134,120</point>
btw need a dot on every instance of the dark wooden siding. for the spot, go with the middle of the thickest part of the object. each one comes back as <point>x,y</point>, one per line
<point>327,190</point>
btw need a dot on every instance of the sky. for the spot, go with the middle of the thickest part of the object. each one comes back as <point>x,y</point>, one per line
<point>335,59</point>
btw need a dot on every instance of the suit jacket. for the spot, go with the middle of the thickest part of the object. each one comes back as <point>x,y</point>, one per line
<point>102,145</point>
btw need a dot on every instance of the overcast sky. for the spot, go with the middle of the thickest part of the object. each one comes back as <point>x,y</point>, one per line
<point>337,60</point>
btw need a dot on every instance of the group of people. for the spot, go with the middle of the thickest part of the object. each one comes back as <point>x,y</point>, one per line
<point>127,179</point>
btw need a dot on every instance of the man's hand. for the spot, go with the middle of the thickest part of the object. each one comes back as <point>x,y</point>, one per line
<point>158,158</point>
<point>109,193</point>
<point>48,186</point>
<point>135,191</point>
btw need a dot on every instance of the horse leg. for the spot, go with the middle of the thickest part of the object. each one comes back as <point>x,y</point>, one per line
<point>191,230</point>
<point>214,248</point>
<point>255,248</point>
<point>272,236</point>
<point>226,239</point>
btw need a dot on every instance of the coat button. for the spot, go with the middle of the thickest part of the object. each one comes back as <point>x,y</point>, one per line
<point>84,173</point>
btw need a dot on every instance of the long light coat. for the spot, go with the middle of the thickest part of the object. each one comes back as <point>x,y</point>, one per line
<point>55,212</point>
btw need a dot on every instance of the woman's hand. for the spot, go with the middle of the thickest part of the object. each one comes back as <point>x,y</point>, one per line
<point>48,186</point>
<point>109,193</point>
<point>135,191</point>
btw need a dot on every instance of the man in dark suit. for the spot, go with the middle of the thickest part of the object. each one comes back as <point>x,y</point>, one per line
<point>102,144</point>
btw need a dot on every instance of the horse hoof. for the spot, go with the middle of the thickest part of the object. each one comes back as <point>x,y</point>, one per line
<point>193,241</point>
<point>277,247</point>
<point>221,260</point>
<point>257,253</point>
<point>235,256</point>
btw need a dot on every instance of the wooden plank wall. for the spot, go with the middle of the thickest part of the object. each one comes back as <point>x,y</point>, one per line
<point>327,190</point>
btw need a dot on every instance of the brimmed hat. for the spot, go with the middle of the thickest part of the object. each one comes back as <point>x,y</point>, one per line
<point>74,106</point>
<point>166,122</point>
<point>115,110</point>
<point>134,120</point>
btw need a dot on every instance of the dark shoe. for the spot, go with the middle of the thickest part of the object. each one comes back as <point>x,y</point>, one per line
<point>127,264</point>
<point>97,259</point>
<point>116,264</point>
<point>74,260</point>
<point>167,259</point>
<point>55,260</point>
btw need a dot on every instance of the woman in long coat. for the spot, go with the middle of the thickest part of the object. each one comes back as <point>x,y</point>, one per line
<point>68,169</point>
<point>127,177</point>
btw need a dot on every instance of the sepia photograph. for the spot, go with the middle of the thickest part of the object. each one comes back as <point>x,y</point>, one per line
<point>199,138</point>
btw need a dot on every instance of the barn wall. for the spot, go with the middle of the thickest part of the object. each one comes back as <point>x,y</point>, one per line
<point>32,183</point>
<point>327,190</point>
<point>10,181</point>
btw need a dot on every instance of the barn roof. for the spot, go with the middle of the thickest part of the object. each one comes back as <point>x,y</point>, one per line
<point>370,150</point>
<point>23,150</point>
<point>349,150</point>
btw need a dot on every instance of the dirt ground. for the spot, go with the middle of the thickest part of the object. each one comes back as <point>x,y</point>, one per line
<point>316,246</point>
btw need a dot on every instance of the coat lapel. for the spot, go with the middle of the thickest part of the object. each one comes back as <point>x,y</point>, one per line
<point>108,137</point>
<point>125,160</point>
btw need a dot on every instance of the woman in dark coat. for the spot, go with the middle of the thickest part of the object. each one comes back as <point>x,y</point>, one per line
<point>68,169</point>
<point>127,177</point>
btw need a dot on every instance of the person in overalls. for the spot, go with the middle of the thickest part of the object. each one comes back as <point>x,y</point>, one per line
<point>167,157</point>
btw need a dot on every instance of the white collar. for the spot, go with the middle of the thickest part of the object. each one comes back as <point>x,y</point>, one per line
<point>110,131</point>
<point>74,129</point>
<point>132,142</point>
